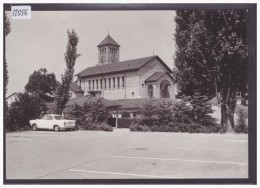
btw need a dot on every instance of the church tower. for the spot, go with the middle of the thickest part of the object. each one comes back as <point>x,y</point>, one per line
<point>108,51</point>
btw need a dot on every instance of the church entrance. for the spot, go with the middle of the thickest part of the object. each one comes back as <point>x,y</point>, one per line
<point>165,89</point>
<point>150,91</point>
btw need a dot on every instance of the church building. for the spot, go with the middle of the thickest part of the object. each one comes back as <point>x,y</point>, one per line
<point>112,79</point>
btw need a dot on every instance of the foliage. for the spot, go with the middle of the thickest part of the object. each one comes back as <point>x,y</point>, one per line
<point>241,126</point>
<point>200,108</point>
<point>90,116</point>
<point>126,122</point>
<point>182,113</point>
<point>211,55</point>
<point>190,116</point>
<point>97,110</point>
<point>7,25</point>
<point>63,95</point>
<point>135,127</point>
<point>179,127</point>
<point>155,112</point>
<point>42,84</point>
<point>104,127</point>
<point>25,108</point>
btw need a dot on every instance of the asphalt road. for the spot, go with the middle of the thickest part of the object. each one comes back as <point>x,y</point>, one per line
<point>122,154</point>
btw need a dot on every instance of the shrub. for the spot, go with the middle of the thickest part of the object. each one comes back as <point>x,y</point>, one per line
<point>135,127</point>
<point>181,113</point>
<point>154,128</point>
<point>90,116</point>
<point>24,109</point>
<point>241,126</point>
<point>164,128</point>
<point>146,128</point>
<point>157,112</point>
<point>126,122</point>
<point>104,127</point>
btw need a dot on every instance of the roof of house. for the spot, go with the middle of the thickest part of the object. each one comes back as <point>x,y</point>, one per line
<point>74,87</point>
<point>108,40</point>
<point>15,93</point>
<point>155,76</point>
<point>128,65</point>
<point>121,103</point>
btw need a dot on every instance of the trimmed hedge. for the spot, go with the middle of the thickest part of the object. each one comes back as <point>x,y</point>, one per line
<point>126,122</point>
<point>179,127</point>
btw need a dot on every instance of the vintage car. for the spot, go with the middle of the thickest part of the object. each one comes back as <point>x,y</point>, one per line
<point>53,122</point>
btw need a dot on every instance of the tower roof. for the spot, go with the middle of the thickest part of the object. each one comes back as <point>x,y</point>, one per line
<point>108,40</point>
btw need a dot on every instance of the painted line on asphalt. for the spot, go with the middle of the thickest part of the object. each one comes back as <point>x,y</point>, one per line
<point>124,174</point>
<point>184,150</point>
<point>184,160</point>
<point>18,139</point>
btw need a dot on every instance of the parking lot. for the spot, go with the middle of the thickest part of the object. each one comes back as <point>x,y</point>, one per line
<point>122,154</point>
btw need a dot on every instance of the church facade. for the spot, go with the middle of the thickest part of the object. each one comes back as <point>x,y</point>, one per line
<point>147,77</point>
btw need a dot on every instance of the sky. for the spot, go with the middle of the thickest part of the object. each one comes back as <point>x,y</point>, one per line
<point>40,42</point>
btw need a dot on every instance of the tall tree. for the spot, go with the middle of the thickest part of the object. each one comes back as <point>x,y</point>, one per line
<point>211,56</point>
<point>24,109</point>
<point>42,84</point>
<point>63,95</point>
<point>7,31</point>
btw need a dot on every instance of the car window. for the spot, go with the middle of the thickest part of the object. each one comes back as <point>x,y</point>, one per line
<point>58,117</point>
<point>47,117</point>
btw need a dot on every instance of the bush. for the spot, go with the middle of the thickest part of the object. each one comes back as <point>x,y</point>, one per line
<point>164,128</point>
<point>104,127</point>
<point>157,112</point>
<point>90,116</point>
<point>135,127</point>
<point>241,126</point>
<point>24,109</point>
<point>126,122</point>
<point>146,128</point>
<point>154,128</point>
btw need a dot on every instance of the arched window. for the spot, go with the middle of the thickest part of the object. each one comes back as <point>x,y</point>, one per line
<point>105,81</point>
<point>118,82</point>
<point>101,83</point>
<point>114,83</point>
<point>97,83</point>
<point>93,84</point>
<point>89,85</point>
<point>123,81</point>
<point>109,83</point>
<point>150,91</point>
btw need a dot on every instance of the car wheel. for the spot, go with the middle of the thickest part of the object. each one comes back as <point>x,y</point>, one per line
<point>56,128</point>
<point>34,127</point>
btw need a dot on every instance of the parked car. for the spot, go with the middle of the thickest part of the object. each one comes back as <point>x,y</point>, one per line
<point>53,122</point>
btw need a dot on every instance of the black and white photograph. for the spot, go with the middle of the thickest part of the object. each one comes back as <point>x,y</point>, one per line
<point>129,94</point>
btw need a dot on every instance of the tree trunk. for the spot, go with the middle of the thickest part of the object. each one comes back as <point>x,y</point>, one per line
<point>227,116</point>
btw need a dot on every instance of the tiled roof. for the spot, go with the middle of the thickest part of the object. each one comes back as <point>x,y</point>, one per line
<point>122,103</point>
<point>118,67</point>
<point>155,76</point>
<point>138,103</point>
<point>15,93</point>
<point>74,87</point>
<point>108,40</point>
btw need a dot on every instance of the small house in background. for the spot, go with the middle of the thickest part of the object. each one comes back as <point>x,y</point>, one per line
<point>242,98</point>
<point>76,91</point>
<point>11,98</point>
